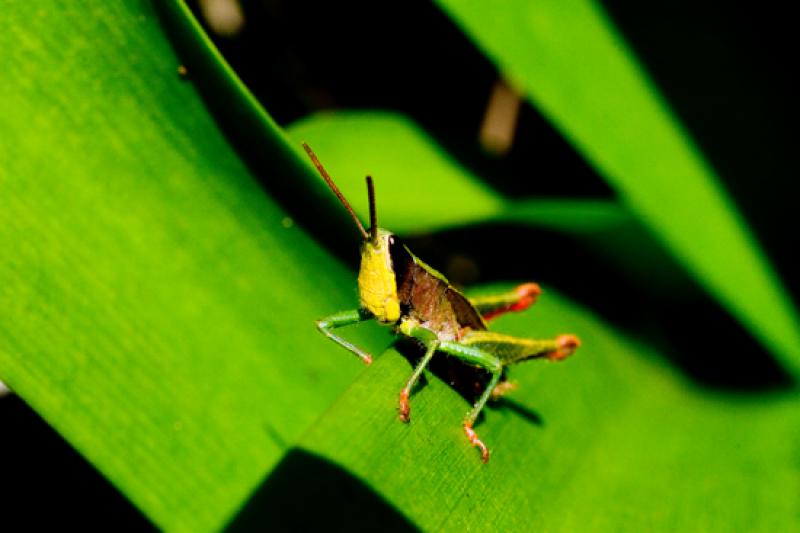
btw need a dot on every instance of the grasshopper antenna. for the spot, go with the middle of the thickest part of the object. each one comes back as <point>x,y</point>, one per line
<point>336,191</point>
<point>373,215</point>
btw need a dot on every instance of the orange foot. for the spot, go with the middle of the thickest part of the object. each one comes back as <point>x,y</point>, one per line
<point>473,438</point>
<point>567,344</point>
<point>527,294</point>
<point>502,388</point>
<point>405,407</point>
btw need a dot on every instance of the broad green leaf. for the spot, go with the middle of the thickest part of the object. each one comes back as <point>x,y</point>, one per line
<point>604,441</point>
<point>156,306</point>
<point>568,58</point>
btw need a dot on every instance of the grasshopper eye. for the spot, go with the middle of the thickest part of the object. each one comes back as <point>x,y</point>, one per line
<point>401,259</point>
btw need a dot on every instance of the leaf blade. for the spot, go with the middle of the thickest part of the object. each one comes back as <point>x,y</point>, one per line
<point>573,448</point>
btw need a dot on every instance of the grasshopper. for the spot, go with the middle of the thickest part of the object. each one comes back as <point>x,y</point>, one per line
<point>398,289</point>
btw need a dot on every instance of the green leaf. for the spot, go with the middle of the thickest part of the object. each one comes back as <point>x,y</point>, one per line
<point>568,58</point>
<point>604,441</point>
<point>157,308</point>
<point>420,189</point>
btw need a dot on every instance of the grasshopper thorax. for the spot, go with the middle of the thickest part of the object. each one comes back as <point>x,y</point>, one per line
<point>377,283</point>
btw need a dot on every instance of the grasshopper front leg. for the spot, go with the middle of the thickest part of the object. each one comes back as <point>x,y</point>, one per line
<point>345,318</point>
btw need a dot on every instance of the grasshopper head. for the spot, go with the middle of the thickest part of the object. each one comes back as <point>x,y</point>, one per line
<point>377,285</point>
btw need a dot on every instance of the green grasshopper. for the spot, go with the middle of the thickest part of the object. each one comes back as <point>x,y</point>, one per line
<point>396,288</point>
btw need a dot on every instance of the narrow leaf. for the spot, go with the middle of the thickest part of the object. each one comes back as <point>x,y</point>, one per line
<point>568,58</point>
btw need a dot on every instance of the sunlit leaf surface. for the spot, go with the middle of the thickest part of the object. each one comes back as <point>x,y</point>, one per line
<point>157,307</point>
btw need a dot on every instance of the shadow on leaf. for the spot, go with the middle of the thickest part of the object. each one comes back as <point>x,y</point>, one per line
<point>341,502</point>
<point>628,280</point>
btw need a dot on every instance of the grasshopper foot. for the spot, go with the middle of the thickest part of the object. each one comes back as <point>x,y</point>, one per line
<point>567,344</point>
<point>502,388</point>
<point>405,407</point>
<point>473,438</point>
<point>527,294</point>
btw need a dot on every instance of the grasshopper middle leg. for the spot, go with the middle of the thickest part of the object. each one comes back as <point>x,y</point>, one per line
<point>405,408</point>
<point>487,350</point>
<point>487,361</point>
